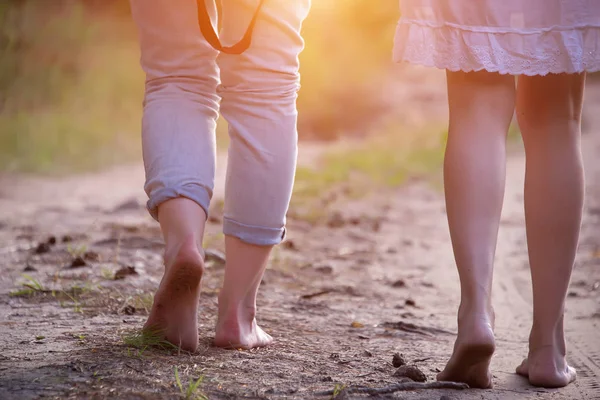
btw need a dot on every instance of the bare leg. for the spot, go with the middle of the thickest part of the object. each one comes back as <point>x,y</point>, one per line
<point>237,327</point>
<point>549,112</point>
<point>481,108</point>
<point>174,313</point>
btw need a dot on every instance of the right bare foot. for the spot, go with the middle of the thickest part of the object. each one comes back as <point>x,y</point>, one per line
<point>473,350</point>
<point>546,367</point>
<point>233,335</point>
<point>174,314</point>
<point>237,327</point>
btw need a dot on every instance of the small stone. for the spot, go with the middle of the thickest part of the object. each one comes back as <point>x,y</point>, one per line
<point>29,268</point>
<point>324,269</point>
<point>131,204</point>
<point>327,379</point>
<point>410,303</point>
<point>376,226</point>
<point>129,310</point>
<point>399,283</point>
<point>42,248</point>
<point>78,262</point>
<point>367,353</point>
<point>67,238</point>
<point>354,221</point>
<point>52,240</point>
<point>289,245</point>
<point>573,294</point>
<point>398,360</point>
<point>336,220</point>
<point>125,271</point>
<point>412,372</point>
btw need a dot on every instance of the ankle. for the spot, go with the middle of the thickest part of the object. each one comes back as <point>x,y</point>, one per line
<point>548,336</point>
<point>236,310</point>
<point>480,309</point>
<point>188,247</point>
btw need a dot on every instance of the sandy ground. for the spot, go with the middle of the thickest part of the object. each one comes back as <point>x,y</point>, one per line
<point>340,297</point>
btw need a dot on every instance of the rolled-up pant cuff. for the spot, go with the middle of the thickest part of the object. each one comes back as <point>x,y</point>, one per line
<point>257,235</point>
<point>195,192</point>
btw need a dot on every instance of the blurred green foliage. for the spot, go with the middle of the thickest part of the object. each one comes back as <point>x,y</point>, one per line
<point>71,86</point>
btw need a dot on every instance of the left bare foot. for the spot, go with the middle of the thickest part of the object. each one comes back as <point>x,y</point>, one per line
<point>473,350</point>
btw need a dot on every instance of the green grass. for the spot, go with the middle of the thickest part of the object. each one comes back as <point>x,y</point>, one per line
<point>383,161</point>
<point>146,338</point>
<point>30,288</point>
<point>71,86</point>
<point>192,392</point>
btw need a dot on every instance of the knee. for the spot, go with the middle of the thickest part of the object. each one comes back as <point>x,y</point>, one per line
<point>185,90</point>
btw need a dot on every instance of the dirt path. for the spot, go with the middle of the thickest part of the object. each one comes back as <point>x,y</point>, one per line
<point>340,298</point>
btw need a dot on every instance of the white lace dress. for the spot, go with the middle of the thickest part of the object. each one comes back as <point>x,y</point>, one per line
<point>530,37</point>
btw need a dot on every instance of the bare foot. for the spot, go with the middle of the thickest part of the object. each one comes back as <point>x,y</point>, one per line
<point>473,350</point>
<point>546,367</point>
<point>240,331</point>
<point>174,313</point>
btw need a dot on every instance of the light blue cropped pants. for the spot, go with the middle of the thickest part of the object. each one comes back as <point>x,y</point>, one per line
<point>186,79</point>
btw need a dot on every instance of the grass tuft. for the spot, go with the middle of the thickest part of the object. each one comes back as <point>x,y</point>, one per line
<point>192,391</point>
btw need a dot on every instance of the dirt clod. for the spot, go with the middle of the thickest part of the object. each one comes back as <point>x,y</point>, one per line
<point>214,219</point>
<point>399,283</point>
<point>398,360</point>
<point>78,262</point>
<point>42,248</point>
<point>411,371</point>
<point>52,240</point>
<point>324,269</point>
<point>125,271</point>
<point>410,303</point>
<point>91,256</point>
<point>215,256</point>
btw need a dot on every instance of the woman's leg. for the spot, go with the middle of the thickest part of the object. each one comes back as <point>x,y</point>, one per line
<point>549,114</point>
<point>180,112</point>
<point>259,89</point>
<point>481,108</point>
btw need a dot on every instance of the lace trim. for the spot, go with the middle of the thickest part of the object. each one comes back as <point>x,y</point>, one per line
<point>494,29</point>
<point>568,51</point>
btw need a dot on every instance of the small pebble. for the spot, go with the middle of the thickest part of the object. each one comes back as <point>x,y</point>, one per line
<point>42,248</point>
<point>412,372</point>
<point>52,240</point>
<point>399,283</point>
<point>78,262</point>
<point>398,360</point>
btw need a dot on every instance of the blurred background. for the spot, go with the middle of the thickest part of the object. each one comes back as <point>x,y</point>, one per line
<point>71,86</point>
